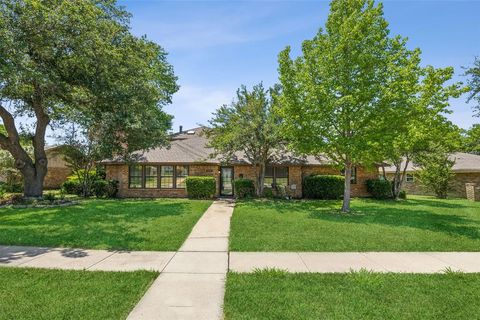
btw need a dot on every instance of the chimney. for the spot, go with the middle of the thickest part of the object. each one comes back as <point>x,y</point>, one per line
<point>180,129</point>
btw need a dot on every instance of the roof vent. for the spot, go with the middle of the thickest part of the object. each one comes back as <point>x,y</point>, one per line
<point>190,132</point>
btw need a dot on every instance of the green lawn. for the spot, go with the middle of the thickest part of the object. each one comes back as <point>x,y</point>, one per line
<point>363,295</point>
<point>417,224</point>
<point>159,225</point>
<point>58,294</point>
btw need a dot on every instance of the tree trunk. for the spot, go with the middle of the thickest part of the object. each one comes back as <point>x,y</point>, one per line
<point>346,193</point>
<point>399,178</point>
<point>261,179</point>
<point>33,177</point>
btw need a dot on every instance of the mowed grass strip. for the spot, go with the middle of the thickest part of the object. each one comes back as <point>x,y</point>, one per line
<point>60,294</point>
<point>416,224</point>
<point>362,295</point>
<point>157,225</point>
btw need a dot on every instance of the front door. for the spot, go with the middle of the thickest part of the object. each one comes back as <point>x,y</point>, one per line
<point>226,181</point>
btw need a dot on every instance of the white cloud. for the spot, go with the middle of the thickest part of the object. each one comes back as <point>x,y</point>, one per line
<point>193,105</point>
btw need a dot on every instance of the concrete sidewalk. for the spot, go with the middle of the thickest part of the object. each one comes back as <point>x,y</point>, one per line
<point>82,259</point>
<point>192,285</point>
<point>326,262</point>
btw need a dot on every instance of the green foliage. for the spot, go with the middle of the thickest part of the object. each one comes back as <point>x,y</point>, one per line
<point>200,187</point>
<point>244,188</point>
<point>105,189</point>
<point>268,193</point>
<point>99,188</point>
<point>379,188</point>
<point>436,172</point>
<point>474,83</point>
<point>71,187</point>
<point>249,125</point>
<point>2,191</point>
<point>77,61</point>
<point>323,186</point>
<point>471,139</point>
<point>402,195</point>
<point>49,197</point>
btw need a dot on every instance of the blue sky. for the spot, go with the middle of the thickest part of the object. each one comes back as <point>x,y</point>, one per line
<point>215,46</point>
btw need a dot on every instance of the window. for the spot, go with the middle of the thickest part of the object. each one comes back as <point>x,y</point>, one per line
<point>151,177</point>
<point>353,179</point>
<point>166,177</point>
<point>154,177</point>
<point>410,177</point>
<point>181,174</point>
<point>276,176</point>
<point>135,177</point>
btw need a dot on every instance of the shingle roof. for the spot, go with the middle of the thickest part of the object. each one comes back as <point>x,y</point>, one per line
<point>464,162</point>
<point>191,146</point>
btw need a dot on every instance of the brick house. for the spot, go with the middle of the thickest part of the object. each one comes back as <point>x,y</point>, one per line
<point>57,169</point>
<point>466,169</point>
<point>161,172</point>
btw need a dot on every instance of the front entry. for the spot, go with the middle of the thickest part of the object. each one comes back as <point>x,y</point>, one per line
<point>226,181</point>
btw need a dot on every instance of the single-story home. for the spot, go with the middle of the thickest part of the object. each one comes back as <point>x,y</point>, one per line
<point>57,168</point>
<point>466,169</point>
<point>161,172</point>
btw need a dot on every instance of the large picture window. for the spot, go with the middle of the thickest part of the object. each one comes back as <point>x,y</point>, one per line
<point>181,174</point>
<point>276,176</point>
<point>154,177</point>
<point>135,177</point>
<point>151,177</point>
<point>166,178</point>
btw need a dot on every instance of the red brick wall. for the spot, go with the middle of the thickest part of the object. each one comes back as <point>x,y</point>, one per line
<point>120,172</point>
<point>296,175</point>
<point>458,188</point>
<point>359,189</point>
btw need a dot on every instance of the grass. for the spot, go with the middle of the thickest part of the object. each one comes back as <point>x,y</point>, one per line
<point>59,294</point>
<point>158,225</point>
<point>362,295</point>
<point>417,224</point>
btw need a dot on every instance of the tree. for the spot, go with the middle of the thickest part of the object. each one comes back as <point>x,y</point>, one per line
<point>416,121</point>
<point>436,171</point>
<point>248,125</point>
<point>334,93</point>
<point>471,139</point>
<point>77,59</point>
<point>474,84</point>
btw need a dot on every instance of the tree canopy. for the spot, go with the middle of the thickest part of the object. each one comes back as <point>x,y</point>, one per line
<point>248,125</point>
<point>63,61</point>
<point>474,83</point>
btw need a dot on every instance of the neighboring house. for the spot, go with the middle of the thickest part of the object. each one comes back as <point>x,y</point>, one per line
<point>466,169</point>
<point>161,172</point>
<point>57,169</point>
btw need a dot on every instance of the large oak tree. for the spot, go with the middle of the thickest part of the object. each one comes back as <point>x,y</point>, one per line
<point>77,61</point>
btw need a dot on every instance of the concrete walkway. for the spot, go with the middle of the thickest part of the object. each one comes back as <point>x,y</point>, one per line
<point>82,259</point>
<point>326,262</point>
<point>192,284</point>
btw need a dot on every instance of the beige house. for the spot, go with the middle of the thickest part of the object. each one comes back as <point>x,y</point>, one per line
<point>57,171</point>
<point>466,169</point>
<point>161,172</point>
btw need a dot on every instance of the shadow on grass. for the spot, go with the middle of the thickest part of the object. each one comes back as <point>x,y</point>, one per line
<point>92,224</point>
<point>416,213</point>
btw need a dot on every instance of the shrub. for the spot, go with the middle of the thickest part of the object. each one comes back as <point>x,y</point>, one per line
<point>2,192</point>
<point>200,187</point>
<point>71,187</point>
<point>402,194</point>
<point>112,189</point>
<point>99,188</point>
<point>49,197</point>
<point>323,186</point>
<point>380,189</point>
<point>244,188</point>
<point>268,193</point>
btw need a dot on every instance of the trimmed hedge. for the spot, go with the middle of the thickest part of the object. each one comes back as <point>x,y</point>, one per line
<point>200,187</point>
<point>380,189</point>
<point>244,188</point>
<point>323,186</point>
